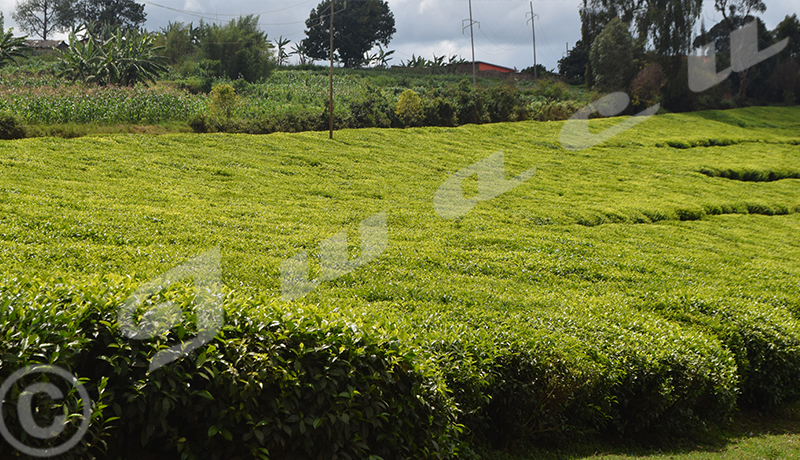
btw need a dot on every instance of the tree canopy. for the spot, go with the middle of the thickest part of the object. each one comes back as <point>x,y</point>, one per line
<point>612,57</point>
<point>790,28</point>
<point>240,47</point>
<point>41,17</point>
<point>357,28</point>
<point>123,14</point>
<point>573,65</point>
<point>666,25</point>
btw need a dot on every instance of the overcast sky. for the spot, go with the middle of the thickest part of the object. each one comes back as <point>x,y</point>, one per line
<point>428,27</point>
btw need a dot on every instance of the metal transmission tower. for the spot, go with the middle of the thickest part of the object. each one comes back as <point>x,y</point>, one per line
<point>533,30</point>
<point>471,37</point>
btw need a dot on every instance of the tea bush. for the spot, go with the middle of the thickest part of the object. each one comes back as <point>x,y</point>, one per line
<point>274,383</point>
<point>619,291</point>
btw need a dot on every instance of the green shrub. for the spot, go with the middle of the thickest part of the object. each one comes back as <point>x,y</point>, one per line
<point>581,368</point>
<point>502,102</point>
<point>200,124</point>
<point>196,85</point>
<point>272,384</point>
<point>469,104</point>
<point>438,112</point>
<point>11,126</point>
<point>552,110</point>
<point>409,108</point>
<point>373,111</point>
<point>764,339</point>
<point>223,100</point>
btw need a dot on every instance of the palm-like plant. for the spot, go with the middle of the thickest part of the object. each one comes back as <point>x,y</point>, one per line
<point>132,57</point>
<point>280,44</point>
<point>299,50</point>
<point>383,57</point>
<point>125,58</point>
<point>82,60</point>
<point>369,58</point>
<point>11,48</point>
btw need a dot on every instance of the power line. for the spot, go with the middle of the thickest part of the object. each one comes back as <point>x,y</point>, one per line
<point>225,14</point>
<point>545,40</point>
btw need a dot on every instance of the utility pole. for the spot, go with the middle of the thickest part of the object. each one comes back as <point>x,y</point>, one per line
<point>533,30</point>
<point>471,39</point>
<point>330,102</point>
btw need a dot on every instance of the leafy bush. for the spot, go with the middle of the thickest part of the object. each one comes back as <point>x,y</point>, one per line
<point>438,112</point>
<point>502,103</point>
<point>126,58</point>
<point>223,100</point>
<point>409,108</point>
<point>612,57</point>
<point>239,47</point>
<point>11,126</point>
<point>555,110</point>
<point>763,339</point>
<point>646,87</point>
<point>469,104</point>
<point>590,368</point>
<point>272,384</point>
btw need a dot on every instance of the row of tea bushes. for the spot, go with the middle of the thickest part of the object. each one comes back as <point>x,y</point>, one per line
<point>397,381</point>
<point>272,384</point>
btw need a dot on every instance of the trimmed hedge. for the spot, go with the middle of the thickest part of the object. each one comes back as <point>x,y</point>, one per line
<point>765,340</point>
<point>570,370</point>
<point>395,382</point>
<point>272,384</point>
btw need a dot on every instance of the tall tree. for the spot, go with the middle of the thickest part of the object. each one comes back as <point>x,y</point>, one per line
<point>789,28</point>
<point>41,17</point>
<point>668,25</point>
<point>665,25</point>
<point>612,57</point>
<point>123,14</point>
<point>733,9</point>
<point>573,65</point>
<point>180,41</point>
<point>357,28</point>
<point>240,47</point>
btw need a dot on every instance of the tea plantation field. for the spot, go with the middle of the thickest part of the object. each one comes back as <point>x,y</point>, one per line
<point>650,284</point>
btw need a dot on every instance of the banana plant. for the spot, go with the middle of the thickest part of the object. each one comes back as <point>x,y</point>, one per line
<point>280,44</point>
<point>124,58</point>
<point>11,48</point>
<point>301,52</point>
<point>383,57</point>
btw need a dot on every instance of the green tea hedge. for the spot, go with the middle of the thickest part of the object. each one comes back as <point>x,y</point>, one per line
<point>272,384</point>
<point>390,382</point>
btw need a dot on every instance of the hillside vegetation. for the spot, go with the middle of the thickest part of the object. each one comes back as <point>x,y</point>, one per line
<point>646,285</point>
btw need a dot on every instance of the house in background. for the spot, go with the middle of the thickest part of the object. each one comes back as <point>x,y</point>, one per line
<point>486,69</point>
<point>46,46</point>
